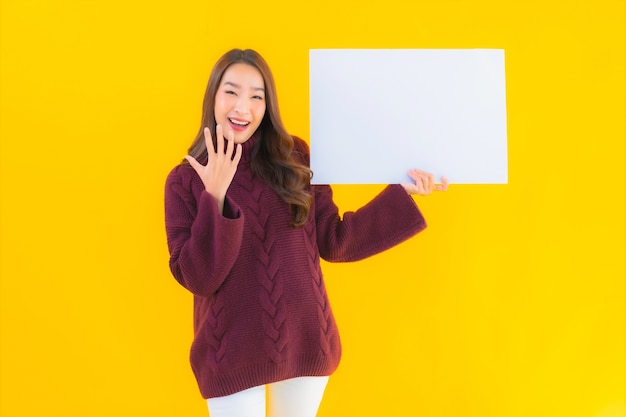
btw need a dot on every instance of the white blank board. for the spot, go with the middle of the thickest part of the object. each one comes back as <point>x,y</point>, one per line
<point>376,113</point>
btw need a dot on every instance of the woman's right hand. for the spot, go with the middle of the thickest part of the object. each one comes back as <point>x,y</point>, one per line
<point>221,166</point>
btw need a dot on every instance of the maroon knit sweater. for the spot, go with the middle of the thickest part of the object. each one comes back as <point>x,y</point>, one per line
<point>261,313</point>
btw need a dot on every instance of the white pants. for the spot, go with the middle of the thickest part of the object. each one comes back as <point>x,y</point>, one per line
<point>297,397</point>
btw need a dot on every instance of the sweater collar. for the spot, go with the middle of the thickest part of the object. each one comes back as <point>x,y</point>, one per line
<point>247,146</point>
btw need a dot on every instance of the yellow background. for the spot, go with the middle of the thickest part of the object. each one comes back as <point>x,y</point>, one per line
<point>511,304</point>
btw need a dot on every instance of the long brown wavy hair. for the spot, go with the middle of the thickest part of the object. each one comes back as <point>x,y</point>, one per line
<point>272,155</point>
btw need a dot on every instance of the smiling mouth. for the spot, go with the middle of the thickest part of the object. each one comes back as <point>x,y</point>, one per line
<point>239,123</point>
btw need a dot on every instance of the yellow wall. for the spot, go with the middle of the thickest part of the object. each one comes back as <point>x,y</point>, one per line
<point>511,304</point>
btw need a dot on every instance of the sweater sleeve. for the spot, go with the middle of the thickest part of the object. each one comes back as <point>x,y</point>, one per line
<point>203,243</point>
<point>387,220</point>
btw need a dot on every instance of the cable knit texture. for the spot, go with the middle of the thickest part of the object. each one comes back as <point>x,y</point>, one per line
<point>261,312</point>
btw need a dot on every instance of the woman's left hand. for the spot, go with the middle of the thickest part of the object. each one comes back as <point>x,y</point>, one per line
<point>424,183</point>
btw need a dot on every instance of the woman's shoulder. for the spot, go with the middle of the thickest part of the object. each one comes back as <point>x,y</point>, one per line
<point>180,171</point>
<point>182,175</point>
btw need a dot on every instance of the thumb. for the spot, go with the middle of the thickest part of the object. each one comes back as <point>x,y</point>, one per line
<point>194,163</point>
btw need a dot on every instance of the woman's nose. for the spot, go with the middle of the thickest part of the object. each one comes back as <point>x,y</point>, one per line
<point>242,106</point>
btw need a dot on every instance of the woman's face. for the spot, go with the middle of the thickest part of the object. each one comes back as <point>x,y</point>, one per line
<point>240,101</point>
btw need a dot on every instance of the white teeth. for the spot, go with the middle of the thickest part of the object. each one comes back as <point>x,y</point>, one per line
<point>239,123</point>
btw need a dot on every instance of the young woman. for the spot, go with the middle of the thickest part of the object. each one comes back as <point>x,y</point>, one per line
<point>246,231</point>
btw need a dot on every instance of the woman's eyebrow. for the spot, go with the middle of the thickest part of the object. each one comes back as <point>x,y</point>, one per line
<point>238,86</point>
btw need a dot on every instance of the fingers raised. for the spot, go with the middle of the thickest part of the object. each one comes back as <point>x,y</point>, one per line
<point>219,133</point>
<point>238,151</point>
<point>219,148</point>
<point>230,145</point>
<point>208,141</point>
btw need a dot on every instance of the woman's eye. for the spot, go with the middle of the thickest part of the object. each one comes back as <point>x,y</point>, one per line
<point>257,97</point>
<point>230,92</point>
